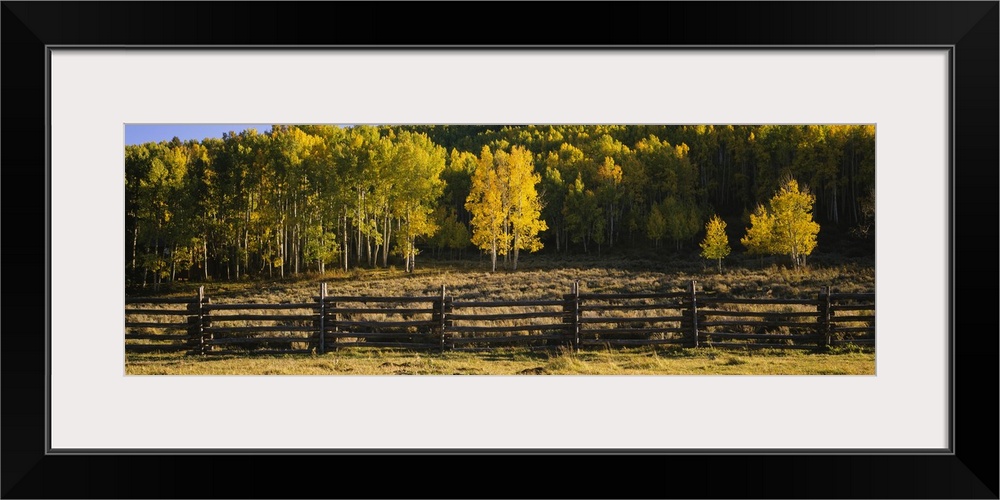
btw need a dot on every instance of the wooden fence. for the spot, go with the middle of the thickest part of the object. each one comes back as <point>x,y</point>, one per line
<point>442,322</point>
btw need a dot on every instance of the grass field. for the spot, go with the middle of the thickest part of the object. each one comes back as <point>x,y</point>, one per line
<point>538,278</point>
<point>644,361</point>
<point>549,278</point>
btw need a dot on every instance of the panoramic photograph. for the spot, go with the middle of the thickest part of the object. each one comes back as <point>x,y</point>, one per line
<point>566,249</point>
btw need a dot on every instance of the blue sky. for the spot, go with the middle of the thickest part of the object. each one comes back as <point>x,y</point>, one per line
<point>140,134</point>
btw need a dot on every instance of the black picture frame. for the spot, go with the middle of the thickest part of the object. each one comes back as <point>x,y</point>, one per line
<point>969,28</point>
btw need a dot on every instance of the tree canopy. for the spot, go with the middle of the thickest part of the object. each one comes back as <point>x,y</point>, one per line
<point>299,199</point>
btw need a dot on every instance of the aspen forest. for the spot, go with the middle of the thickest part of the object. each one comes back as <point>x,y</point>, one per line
<point>308,199</point>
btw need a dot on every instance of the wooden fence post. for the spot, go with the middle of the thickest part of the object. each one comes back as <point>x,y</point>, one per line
<point>204,337</point>
<point>571,315</point>
<point>334,325</point>
<point>321,349</point>
<point>823,308</point>
<point>576,316</point>
<point>693,312</point>
<point>194,330</point>
<point>440,316</point>
<point>569,312</point>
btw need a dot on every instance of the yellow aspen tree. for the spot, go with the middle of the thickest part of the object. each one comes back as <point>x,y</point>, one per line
<point>794,229</point>
<point>485,205</point>
<point>758,238</point>
<point>525,206</point>
<point>786,226</point>
<point>502,165</point>
<point>716,243</point>
<point>504,204</point>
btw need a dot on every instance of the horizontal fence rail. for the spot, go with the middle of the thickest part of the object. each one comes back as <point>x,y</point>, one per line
<point>632,319</point>
<point>440,322</point>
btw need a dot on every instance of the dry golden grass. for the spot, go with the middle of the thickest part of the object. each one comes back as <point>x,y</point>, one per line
<point>545,278</point>
<point>641,361</point>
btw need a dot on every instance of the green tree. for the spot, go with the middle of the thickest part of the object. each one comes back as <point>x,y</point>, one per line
<point>584,219</point>
<point>137,166</point>
<point>609,193</point>
<point>683,220</point>
<point>452,235</point>
<point>418,186</point>
<point>716,243</point>
<point>656,226</point>
<point>866,224</point>
<point>562,165</point>
<point>320,247</point>
<point>554,196</point>
<point>457,177</point>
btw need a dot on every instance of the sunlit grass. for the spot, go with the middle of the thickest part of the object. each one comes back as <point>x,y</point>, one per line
<point>639,361</point>
<point>548,278</point>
